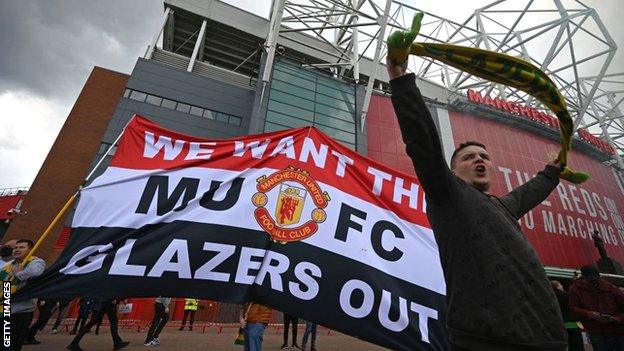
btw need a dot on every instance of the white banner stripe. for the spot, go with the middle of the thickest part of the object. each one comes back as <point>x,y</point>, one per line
<point>112,200</point>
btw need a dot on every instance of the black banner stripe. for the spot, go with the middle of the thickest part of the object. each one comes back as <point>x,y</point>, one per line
<point>227,263</point>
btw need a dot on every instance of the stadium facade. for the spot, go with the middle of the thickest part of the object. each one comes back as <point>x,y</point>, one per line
<point>216,75</point>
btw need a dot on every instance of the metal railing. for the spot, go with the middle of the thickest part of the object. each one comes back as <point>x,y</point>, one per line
<point>13,191</point>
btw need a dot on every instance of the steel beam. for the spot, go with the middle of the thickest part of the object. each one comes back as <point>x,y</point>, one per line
<point>198,44</point>
<point>152,45</point>
<point>383,21</point>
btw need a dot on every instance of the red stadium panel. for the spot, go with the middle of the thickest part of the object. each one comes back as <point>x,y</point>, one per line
<point>560,228</point>
<point>63,238</point>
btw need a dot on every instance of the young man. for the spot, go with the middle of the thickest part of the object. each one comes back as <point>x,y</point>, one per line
<point>18,272</point>
<point>498,295</point>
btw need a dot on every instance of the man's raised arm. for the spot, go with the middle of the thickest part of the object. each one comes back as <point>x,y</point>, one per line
<point>420,136</point>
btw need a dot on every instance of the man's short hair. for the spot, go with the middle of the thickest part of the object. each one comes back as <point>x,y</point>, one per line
<point>463,146</point>
<point>30,243</point>
<point>590,271</point>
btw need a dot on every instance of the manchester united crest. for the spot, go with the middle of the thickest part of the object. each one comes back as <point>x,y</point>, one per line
<point>297,203</point>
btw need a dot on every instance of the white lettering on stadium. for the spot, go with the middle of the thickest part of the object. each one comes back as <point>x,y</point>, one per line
<point>587,211</point>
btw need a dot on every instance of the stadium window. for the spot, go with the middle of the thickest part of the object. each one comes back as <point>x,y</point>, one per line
<point>183,107</point>
<point>113,150</point>
<point>209,114</point>
<point>235,120</point>
<point>153,100</point>
<point>222,117</point>
<point>138,96</point>
<point>104,147</point>
<point>178,106</point>
<point>197,111</point>
<point>166,103</point>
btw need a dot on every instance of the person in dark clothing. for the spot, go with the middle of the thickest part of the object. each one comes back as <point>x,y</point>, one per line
<point>601,306</point>
<point>161,316</point>
<point>62,307</point>
<point>85,305</point>
<point>108,307</point>
<point>498,295</point>
<point>45,312</point>
<point>311,329</point>
<point>96,316</point>
<point>290,319</point>
<point>571,320</point>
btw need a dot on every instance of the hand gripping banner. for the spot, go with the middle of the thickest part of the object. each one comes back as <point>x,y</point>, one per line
<point>289,219</point>
<point>495,67</point>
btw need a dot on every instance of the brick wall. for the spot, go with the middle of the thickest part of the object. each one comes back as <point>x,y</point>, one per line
<point>69,159</point>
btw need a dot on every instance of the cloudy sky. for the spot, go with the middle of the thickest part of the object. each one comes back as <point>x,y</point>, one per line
<point>50,46</point>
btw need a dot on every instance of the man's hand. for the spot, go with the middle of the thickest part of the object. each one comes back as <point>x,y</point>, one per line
<point>18,268</point>
<point>243,322</point>
<point>166,309</point>
<point>395,70</point>
<point>399,43</point>
<point>553,158</point>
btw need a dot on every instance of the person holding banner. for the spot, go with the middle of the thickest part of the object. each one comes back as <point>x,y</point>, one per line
<point>254,318</point>
<point>498,295</point>
<point>46,306</point>
<point>294,321</point>
<point>108,307</point>
<point>161,316</point>
<point>18,272</point>
<point>85,305</point>
<point>310,329</point>
<point>62,307</point>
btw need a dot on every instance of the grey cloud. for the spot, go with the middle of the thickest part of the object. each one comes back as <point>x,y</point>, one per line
<point>50,46</point>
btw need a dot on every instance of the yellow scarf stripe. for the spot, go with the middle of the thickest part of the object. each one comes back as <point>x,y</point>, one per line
<point>506,70</point>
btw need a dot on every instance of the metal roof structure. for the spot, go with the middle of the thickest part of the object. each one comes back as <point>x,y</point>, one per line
<point>565,38</point>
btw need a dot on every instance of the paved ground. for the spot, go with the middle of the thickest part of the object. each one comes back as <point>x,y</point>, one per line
<point>210,339</point>
<point>199,339</point>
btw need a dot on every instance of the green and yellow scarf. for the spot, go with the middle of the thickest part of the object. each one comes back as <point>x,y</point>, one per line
<point>498,68</point>
<point>6,274</point>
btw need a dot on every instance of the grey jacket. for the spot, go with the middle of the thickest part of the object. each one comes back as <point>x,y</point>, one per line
<point>34,269</point>
<point>163,301</point>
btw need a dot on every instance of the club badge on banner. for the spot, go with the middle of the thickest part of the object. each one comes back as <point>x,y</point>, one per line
<point>290,219</point>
